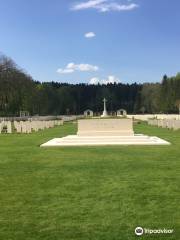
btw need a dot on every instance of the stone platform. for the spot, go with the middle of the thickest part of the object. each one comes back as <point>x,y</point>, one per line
<point>103,132</point>
<point>74,140</point>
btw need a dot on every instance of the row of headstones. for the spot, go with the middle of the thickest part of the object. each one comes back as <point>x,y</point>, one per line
<point>27,126</point>
<point>165,123</point>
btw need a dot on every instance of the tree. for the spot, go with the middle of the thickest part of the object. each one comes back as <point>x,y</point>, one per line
<point>177,104</point>
<point>19,92</point>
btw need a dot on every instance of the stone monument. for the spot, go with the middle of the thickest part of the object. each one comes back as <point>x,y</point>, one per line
<point>105,114</point>
<point>105,127</point>
<point>102,132</point>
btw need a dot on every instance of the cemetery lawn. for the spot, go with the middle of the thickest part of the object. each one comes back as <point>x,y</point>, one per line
<point>88,193</point>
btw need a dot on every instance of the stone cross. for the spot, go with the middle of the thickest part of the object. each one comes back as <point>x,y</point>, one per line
<point>105,114</point>
<point>104,100</point>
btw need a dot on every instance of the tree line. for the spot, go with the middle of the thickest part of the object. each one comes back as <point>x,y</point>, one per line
<point>19,92</point>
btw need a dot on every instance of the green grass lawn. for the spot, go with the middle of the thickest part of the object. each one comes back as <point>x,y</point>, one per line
<point>88,193</point>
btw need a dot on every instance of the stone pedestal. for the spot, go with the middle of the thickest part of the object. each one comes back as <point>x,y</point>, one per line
<point>105,127</point>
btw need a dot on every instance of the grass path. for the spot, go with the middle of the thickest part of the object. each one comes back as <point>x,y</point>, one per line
<point>88,193</point>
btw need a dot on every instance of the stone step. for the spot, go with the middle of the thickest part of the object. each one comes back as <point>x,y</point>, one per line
<point>99,141</point>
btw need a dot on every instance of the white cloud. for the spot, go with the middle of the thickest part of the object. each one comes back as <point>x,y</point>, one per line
<point>66,70</point>
<point>104,5</point>
<point>94,81</point>
<point>110,80</point>
<point>72,67</point>
<point>88,4</point>
<point>89,35</point>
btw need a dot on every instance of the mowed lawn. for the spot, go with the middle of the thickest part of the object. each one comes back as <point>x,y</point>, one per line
<point>88,193</point>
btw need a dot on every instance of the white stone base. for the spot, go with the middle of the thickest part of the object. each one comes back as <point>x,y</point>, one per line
<point>74,140</point>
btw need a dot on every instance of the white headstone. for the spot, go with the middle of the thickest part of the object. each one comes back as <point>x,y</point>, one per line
<point>17,126</point>
<point>1,127</point>
<point>9,126</point>
<point>23,127</point>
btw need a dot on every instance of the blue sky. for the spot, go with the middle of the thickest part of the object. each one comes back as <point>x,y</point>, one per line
<point>131,40</point>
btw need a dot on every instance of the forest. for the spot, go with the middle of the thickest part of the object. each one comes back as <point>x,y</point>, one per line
<point>19,92</point>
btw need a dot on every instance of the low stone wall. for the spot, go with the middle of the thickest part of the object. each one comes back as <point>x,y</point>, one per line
<point>66,118</point>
